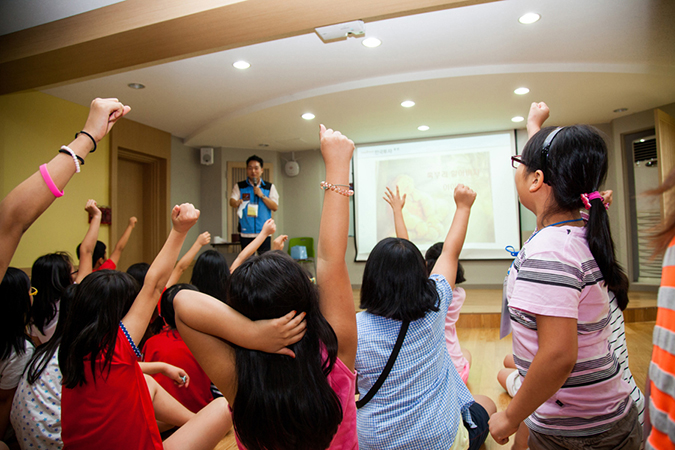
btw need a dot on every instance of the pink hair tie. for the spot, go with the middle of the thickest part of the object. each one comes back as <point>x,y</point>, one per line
<point>586,199</point>
<point>49,182</point>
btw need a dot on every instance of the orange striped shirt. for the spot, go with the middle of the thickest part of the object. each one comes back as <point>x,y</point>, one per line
<point>662,366</point>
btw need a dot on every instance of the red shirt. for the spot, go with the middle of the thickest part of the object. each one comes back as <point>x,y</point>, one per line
<point>108,264</point>
<point>168,347</point>
<point>115,411</point>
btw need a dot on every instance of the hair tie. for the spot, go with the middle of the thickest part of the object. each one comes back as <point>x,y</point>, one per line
<point>586,199</point>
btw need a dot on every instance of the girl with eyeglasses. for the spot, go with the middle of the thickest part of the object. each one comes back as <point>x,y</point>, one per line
<point>573,394</point>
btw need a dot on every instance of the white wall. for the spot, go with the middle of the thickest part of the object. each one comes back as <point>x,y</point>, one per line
<point>185,182</point>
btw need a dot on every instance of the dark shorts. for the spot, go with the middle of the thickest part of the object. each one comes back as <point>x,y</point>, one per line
<point>625,434</point>
<point>264,247</point>
<point>478,435</point>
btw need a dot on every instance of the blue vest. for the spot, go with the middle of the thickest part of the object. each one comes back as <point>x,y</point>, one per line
<point>253,225</point>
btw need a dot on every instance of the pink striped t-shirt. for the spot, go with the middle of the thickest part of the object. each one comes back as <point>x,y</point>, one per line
<point>556,275</point>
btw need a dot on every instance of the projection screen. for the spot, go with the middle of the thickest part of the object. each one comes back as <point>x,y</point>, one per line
<point>428,171</point>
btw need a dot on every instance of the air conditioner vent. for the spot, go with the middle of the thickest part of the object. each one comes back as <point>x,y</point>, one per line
<point>644,150</point>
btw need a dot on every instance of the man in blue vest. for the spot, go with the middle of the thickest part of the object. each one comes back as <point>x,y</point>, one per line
<point>259,198</point>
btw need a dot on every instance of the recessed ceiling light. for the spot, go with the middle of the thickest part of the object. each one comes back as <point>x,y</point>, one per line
<point>407,103</point>
<point>517,119</point>
<point>371,42</point>
<point>642,140</point>
<point>136,86</point>
<point>241,65</point>
<point>618,110</point>
<point>529,18</point>
<point>521,91</point>
<point>423,128</point>
<point>308,116</point>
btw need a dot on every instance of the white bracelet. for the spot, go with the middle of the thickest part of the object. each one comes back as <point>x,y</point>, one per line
<point>72,153</point>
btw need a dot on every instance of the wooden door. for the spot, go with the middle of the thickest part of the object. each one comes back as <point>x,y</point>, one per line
<point>131,182</point>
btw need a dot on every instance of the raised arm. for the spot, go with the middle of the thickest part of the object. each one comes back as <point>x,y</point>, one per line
<point>446,264</point>
<point>26,202</point>
<point>336,298</point>
<point>124,239</point>
<point>539,112</point>
<point>182,265</point>
<point>279,242</point>
<point>397,203</point>
<point>200,319</point>
<point>269,227</point>
<point>138,317</point>
<point>89,241</point>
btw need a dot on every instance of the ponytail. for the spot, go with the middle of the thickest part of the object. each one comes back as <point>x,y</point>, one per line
<point>601,244</point>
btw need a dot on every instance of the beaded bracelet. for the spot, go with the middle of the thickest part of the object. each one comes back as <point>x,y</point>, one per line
<point>68,151</point>
<point>337,188</point>
<point>90,137</point>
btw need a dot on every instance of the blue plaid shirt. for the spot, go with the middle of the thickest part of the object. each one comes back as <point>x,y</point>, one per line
<point>423,400</point>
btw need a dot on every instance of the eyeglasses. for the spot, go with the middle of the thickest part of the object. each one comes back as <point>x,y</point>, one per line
<point>32,292</point>
<point>516,161</point>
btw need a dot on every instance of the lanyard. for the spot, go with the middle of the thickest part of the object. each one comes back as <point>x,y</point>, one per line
<point>514,252</point>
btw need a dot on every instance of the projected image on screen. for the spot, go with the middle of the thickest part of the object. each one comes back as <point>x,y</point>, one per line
<point>429,186</point>
<point>427,172</point>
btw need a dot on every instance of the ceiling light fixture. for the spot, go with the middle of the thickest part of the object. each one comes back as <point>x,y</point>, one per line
<point>241,65</point>
<point>620,110</point>
<point>408,104</point>
<point>308,116</point>
<point>423,128</point>
<point>371,42</point>
<point>521,91</point>
<point>517,119</point>
<point>529,18</point>
<point>136,86</point>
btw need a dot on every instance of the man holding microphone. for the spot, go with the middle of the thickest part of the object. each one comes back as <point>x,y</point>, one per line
<point>255,200</point>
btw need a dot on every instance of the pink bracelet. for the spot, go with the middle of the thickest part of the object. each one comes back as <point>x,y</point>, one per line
<point>336,188</point>
<point>49,182</point>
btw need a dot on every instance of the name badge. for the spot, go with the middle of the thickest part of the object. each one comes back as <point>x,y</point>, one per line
<point>252,210</point>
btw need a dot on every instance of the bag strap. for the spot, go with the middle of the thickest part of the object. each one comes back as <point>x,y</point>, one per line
<point>387,368</point>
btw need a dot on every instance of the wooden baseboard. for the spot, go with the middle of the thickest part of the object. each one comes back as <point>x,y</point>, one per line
<point>492,320</point>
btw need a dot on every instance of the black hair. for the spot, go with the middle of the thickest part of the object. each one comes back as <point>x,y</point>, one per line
<point>168,313</point>
<point>211,274</point>
<point>396,283</point>
<point>99,252</point>
<point>100,302</point>
<point>43,354</point>
<point>254,158</point>
<point>15,301</point>
<point>138,271</point>
<point>576,163</point>
<point>432,255</point>
<point>50,275</point>
<point>283,402</point>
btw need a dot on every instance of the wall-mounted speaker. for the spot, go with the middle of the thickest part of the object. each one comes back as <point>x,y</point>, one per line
<point>206,156</point>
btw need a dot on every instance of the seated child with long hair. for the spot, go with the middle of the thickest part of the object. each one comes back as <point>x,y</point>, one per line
<point>106,400</point>
<point>572,393</point>
<point>279,401</point>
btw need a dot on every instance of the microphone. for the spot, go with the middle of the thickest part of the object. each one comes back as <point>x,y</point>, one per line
<point>255,181</point>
